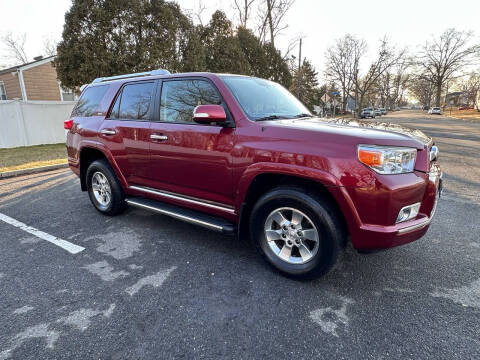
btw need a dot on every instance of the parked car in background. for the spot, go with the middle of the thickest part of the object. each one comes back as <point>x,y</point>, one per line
<point>383,111</point>
<point>378,112</point>
<point>241,155</point>
<point>435,111</point>
<point>397,109</point>
<point>368,113</point>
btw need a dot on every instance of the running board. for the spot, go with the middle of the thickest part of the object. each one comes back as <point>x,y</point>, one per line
<point>187,215</point>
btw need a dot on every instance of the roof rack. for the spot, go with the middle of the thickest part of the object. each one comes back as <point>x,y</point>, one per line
<point>126,76</point>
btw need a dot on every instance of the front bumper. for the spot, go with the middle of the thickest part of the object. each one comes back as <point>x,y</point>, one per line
<point>371,237</point>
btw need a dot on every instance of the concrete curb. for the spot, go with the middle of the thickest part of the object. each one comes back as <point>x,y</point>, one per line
<point>9,174</point>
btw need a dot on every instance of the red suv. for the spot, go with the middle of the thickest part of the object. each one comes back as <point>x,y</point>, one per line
<point>241,155</point>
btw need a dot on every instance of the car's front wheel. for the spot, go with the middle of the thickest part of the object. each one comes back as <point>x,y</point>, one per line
<point>103,188</point>
<point>297,233</point>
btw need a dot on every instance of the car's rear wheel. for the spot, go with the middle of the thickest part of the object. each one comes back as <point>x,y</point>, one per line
<point>297,233</point>
<point>103,188</point>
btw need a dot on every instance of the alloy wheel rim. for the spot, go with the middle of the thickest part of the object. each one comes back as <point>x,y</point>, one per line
<point>101,189</point>
<point>291,235</point>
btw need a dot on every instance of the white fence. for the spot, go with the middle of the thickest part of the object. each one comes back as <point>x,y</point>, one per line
<point>25,123</point>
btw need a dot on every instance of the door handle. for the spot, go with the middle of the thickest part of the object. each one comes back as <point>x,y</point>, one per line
<point>108,132</point>
<point>158,137</point>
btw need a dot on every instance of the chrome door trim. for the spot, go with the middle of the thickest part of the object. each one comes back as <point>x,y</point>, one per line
<point>187,199</point>
<point>158,137</point>
<point>175,215</point>
<point>108,132</point>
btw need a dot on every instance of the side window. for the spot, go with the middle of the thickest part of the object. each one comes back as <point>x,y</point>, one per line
<point>134,102</point>
<point>180,97</point>
<point>88,103</point>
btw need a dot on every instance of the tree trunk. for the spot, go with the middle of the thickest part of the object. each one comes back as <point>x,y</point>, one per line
<point>270,22</point>
<point>438,93</point>
<point>245,15</point>
<point>360,103</point>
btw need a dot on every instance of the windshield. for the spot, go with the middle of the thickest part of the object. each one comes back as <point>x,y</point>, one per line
<point>264,100</point>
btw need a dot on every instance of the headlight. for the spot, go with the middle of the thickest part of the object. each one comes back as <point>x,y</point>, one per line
<point>388,159</point>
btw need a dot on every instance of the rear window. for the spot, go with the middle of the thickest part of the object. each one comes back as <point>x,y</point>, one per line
<point>88,103</point>
<point>134,102</point>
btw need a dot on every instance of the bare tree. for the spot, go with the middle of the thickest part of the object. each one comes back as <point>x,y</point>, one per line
<point>50,46</point>
<point>243,8</point>
<point>422,88</point>
<point>400,83</point>
<point>393,83</point>
<point>342,60</point>
<point>196,13</point>
<point>384,86</point>
<point>386,59</point>
<point>15,46</point>
<point>471,89</point>
<point>442,57</point>
<point>271,15</point>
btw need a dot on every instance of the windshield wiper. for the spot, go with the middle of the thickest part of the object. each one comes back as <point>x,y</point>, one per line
<point>303,115</point>
<point>276,117</point>
<point>270,117</point>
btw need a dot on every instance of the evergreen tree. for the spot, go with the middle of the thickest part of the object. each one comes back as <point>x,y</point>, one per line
<point>253,52</point>
<point>277,68</point>
<point>102,38</point>
<point>194,55</point>
<point>265,61</point>
<point>305,85</point>
<point>223,51</point>
<point>110,37</point>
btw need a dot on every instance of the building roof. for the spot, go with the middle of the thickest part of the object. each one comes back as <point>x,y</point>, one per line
<point>456,93</point>
<point>28,65</point>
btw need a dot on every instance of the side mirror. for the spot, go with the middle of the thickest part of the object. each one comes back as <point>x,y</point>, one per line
<point>209,113</point>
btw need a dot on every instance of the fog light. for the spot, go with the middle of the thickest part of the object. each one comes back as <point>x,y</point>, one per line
<point>408,212</point>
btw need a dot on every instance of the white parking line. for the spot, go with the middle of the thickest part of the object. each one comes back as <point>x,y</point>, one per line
<point>71,248</point>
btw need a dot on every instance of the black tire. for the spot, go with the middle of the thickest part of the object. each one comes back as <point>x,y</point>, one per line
<point>117,201</point>
<point>331,231</point>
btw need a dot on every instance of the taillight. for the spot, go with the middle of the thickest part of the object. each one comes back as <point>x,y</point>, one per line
<point>67,124</point>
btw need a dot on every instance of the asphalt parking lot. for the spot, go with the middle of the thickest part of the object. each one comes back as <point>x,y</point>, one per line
<point>150,287</point>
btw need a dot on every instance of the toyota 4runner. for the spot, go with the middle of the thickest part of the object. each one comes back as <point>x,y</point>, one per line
<point>241,155</point>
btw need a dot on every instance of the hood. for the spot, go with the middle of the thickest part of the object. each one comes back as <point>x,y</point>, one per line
<point>368,129</point>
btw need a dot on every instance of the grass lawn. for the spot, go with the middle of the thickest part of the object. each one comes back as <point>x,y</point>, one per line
<point>471,114</point>
<point>32,156</point>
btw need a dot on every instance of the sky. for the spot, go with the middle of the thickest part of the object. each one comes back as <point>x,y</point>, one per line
<point>407,23</point>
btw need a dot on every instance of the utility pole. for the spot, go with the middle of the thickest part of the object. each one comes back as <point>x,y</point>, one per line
<point>356,93</point>
<point>299,75</point>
